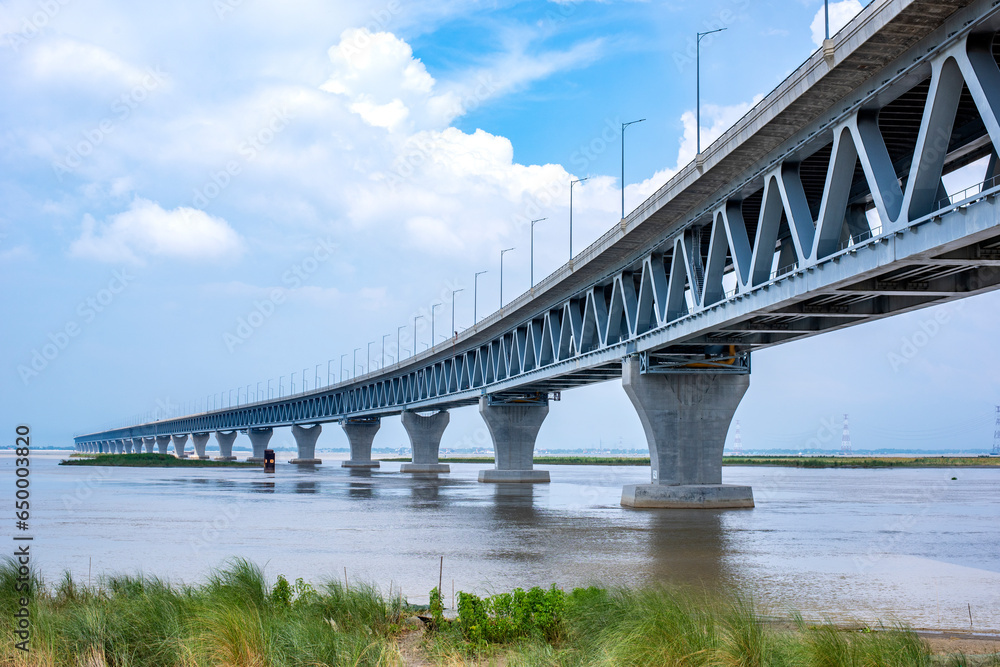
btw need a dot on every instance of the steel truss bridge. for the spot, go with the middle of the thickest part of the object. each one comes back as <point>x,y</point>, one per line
<point>822,208</point>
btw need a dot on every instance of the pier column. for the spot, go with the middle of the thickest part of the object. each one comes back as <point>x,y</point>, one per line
<point>425,441</point>
<point>225,441</point>
<point>259,437</point>
<point>361,433</point>
<point>685,418</point>
<point>305,442</point>
<point>200,440</point>
<point>149,442</point>
<point>128,445</point>
<point>119,446</point>
<point>513,428</point>
<point>179,442</point>
<point>162,442</point>
<point>137,445</point>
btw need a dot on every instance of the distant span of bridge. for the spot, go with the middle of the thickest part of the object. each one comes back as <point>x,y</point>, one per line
<point>822,208</point>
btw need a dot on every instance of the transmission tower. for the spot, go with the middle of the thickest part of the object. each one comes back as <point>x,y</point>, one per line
<point>996,435</point>
<point>738,441</point>
<point>845,441</point>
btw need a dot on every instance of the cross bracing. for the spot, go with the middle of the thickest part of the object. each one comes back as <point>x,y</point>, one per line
<point>846,220</point>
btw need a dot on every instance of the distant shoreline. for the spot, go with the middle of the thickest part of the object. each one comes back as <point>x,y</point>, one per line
<point>778,461</point>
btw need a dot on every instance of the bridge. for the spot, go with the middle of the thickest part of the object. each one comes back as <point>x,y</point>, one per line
<point>822,208</point>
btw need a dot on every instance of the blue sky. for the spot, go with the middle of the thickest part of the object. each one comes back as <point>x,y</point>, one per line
<point>329,170</point>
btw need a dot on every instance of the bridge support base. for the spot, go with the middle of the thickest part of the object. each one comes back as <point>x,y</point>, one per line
<point>685,417</point>
<point>305,441</point>
<point>425,441</point>
<point>225,441</point>
<point>259,437</point>
<point>688,496</point>
<point>162,442</point>
<point>361,434</point>
<point>148,444</point>
<point>200,441</point>
<point>514,428</point>
<point>128,445</point>
<point>179,442</point>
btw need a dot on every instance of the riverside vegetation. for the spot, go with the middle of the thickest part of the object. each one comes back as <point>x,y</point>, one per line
<point>238,619</point>
<point>152,461</point>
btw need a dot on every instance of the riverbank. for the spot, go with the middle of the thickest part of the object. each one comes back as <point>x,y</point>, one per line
<point>782,461</point>
<point>241,617</point>
<point>151,461</point>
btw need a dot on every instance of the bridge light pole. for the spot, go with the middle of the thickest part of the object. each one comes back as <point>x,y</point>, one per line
<point>269,388</point>
<point>701,35</point>
<point>826,6</point>
<point>384,336</point>
<point>291,387</point>
<point>502,252</point>
<point>257,395</point>
<point>571,184</point>
<point>415,318</point>
<point>328,372</point>
<point>532,260</point>
<point>453,293</point>
<point>248,392</point>
<point>354,369</point>
<point>475,296</point>
<point>370,343</point>
<point>281,388</point>
<point>230,398</point>
<point>399,336</point>
<point>433,306</point>
<point>624,125</point>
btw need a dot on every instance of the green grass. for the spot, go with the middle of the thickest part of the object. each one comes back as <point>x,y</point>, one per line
<point>241,618</point>
<point>784,461</point>
<point>153,461</point>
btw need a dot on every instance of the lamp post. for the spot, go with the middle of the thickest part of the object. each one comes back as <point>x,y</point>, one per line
<point>305,384</point>
<point>384,336</point>
<point>328,373</point>
<point>316,376</point>
<point>370,343</point>
<point>399,335</point>
<point>291,387</point>
<point>532,260</point>
<point>475,295</point>
<point>268,388</point>
<point>354,368</point>
<point>433,340</point>
<point>701,35</point>
<point>826,6</point>
<point>453,293</point>
<point>502,253</point>
<point>415,318</point>
<point>624,125</point>
<point>571,184</point>
<point>281,385</point>
<point>342,367</point>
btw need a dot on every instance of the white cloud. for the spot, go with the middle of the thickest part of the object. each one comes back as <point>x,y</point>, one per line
<point>841,14</point>
<point>83,64</point>
<point>147,229</point>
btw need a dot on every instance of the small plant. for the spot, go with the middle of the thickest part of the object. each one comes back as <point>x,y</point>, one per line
<point>281,594</point>
<point>437,609</point>
<point>505,617</point>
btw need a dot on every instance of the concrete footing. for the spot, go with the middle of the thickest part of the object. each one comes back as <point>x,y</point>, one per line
<point>305,442</point>
<point>179,442</point>
<point>425,441</point>
<point>514,476</point>
<point>225,440</point>
<point>513,428</point>
<point>259,437</point>
<point>360,435</point>
<point>200,441</point>
<point>162,442</point>
<point>688,496</point>
<point>685,417</point>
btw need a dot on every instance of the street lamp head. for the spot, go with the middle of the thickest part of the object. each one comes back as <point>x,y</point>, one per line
<point>506,250</point>
<point>709,32</point>
<point>578,180</point>
<point>539,220</point>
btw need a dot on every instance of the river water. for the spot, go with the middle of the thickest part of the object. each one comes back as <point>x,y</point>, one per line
<point>907,545</point>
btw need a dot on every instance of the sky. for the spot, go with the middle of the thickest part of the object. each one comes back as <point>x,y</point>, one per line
<point>202,196</point>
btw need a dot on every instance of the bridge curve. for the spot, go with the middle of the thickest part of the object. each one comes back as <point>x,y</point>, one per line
<point>822,208</point>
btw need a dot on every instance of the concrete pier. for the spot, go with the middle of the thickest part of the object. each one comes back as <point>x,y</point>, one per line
<point>685,417</point>
<point>259,437</point>
<point>360,434</point>
<point>513,428</point>
<point>225,440</point>
<point>128,445</point>
<point>305,442</point>
<point>119,447</point>
<point>179,442</point>
<point>425,441</point>
<point>162,442</point>
<point>137,445</point>
<point>149,442</point>
<point>200,441</point>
